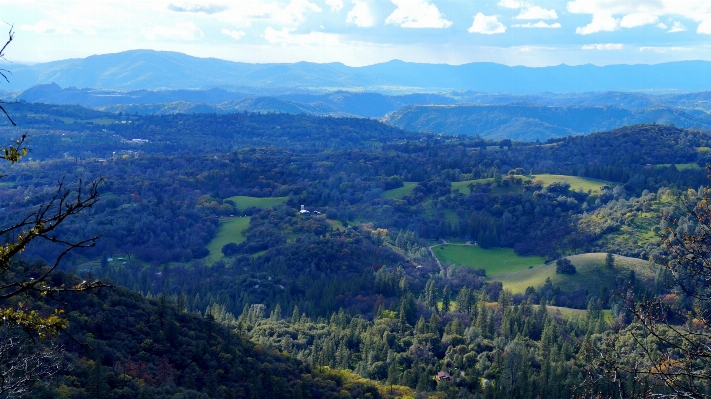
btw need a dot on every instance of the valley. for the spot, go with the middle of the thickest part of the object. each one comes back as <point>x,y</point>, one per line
<point>205,216</point>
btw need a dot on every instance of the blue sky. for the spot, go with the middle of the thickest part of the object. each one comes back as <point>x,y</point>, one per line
<point>363,32</point>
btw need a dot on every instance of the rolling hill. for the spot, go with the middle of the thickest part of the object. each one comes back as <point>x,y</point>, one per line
<point>531,122</point>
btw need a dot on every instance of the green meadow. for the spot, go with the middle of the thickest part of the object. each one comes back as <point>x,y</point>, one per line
<point>98,121</point>
<point>243,202</point>
<point>591,273</point>
<point>574,181</point>
<point>680,166</point>
<point>400,192</point>
<point>230,230</point>
<point>495,260</point>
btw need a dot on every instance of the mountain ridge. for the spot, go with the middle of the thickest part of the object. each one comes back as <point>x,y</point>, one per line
<point>149,69</point>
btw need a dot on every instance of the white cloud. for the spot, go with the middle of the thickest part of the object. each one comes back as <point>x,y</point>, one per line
<point>295,10</point>
<point>677,27</point>
<point>539,24</point>
<point>417,14</point>
<point>606,46</point>
<point>293,13</point>
<point>235,34</point>
<point>600,23</point>
<point>361,15</point>
<point>181,30</point>
<point>511,4</point>
<point>704,27</point>
<point>191,7</point>
<point>42,26</point>
<point>663,50</point>
<point>661,25</point>
<point>536,12</point>
<point>336,5</point>
<point>635,13</point>
<point>285,36</point>
<point>638,19</point>
<point>487,25</point>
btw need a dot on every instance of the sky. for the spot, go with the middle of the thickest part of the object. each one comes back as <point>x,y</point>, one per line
<point>364,32</point>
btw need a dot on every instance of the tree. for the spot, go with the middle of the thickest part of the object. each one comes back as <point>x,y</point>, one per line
<point>564,266</point>
<point>446,298</point>
<point>609,261</point>
<point>665,351</point>
<point>25,354</point>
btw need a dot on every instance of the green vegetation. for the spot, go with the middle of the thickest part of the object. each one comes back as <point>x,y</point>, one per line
<point>591,275</point>
<point>244,202</point>
<point>230,230</point>
<point>400,192</point>
<point>98,121</point>
<point>680,166</point>
<point>495,260</point>
<point>575,182</point>
<point>463,186</point>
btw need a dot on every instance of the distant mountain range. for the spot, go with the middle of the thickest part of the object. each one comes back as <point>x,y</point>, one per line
<point>535,122</point>
<point>142,102</point>
<point>148,69</point>
<point>527,117</point>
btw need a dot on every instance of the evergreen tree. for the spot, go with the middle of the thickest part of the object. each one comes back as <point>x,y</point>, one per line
<point>446,297</point>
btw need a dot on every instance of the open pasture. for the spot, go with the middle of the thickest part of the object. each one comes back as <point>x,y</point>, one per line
<point>574,181</point>
<point>400,192</point>
<point>680,166</point>
<point>591,274</point>
<point>244,202</point>
<point>230,230</point>
<point>495,260</point>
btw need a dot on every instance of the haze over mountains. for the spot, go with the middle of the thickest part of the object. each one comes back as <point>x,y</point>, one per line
<point>148,69</point>
<point>484,99</point>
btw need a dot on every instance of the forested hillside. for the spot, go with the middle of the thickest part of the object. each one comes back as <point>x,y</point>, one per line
<point>531,122</point>
<point>264,251</point>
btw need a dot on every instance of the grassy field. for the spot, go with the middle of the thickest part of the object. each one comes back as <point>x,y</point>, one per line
<point>401,192</point>
<point>243,202</point>
<point>591,273</point>
<point>230,230</point>
<point>680,166</point>
<point>495,261</point>
<point>463,188</point>
<point>98,121</point>
<point>574,181</point>
<point>336,224</point>
<point>563,312</point>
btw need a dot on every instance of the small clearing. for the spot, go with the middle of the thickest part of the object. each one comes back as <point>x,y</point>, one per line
<point>400,192</point>
<point>230,230</point>
<point>495,260</point>
<point>244,202</point>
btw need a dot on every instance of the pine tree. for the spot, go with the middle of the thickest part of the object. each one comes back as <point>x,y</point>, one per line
<point>393,375</point>
<point>446,297</point>
<point>431,294</point>
<point>464,300</point>
<point>295,315</point>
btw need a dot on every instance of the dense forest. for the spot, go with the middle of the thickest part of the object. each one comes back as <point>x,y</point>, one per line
<point>346,297</point>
